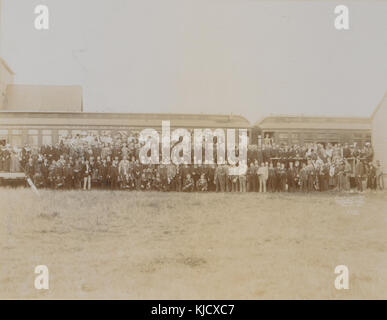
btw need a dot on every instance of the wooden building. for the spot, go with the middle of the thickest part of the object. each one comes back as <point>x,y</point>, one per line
<point>379,134</point>
<point>43,98</point>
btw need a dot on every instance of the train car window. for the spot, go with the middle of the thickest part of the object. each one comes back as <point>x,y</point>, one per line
<point>106,132</point>
<point>359,142</point>
<point>321,137</point>
<point>295,138</point>
<point>46,140</point>
<point>310,137</point>
<point>33,140</point>
<point>62,135</point>
<point>76,132</point>
<point>259,140</point>
<point>16,140</point>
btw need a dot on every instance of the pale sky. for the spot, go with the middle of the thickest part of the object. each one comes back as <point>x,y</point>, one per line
<point>246,57</point>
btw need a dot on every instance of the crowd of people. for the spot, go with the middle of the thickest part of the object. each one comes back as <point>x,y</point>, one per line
<point>105,162</point>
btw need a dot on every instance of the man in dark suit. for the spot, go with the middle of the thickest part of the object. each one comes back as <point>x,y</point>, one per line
<point>113,175</point>
<point>86,173</point>
<point>103,173</point>
<point>291,177</point>
<point>68,172</point>
<point>45,172</point>
<point>359,172</point>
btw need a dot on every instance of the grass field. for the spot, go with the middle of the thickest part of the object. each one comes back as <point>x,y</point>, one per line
<point>130,245</point>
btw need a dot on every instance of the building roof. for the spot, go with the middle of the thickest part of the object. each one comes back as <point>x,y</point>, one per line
<point>312,123</point>
<point>145,120</point>
<point>43,98</point>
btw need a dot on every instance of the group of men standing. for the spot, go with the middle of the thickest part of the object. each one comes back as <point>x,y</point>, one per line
<point>105,166</point>
<point>132,175</point>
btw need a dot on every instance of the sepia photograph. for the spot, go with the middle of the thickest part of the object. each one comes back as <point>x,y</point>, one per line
<point>181,150</point>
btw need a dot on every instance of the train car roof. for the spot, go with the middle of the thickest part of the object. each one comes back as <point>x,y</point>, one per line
<point>314,122</point>
<point>121,119</point>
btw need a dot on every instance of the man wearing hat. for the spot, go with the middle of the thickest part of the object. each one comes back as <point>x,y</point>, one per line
<point>291,177</point>
<point>5,158</point>
<point>359,172</point>
<point>189,184</point>
<point>371,176</point>
<point>201,184</point>
<point>379,175</point>
<point>220,178</point>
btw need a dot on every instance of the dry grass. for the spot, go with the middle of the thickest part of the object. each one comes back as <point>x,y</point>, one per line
<point>130,245</point>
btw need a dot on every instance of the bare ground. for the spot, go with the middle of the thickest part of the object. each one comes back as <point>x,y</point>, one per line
<point>131,245</point>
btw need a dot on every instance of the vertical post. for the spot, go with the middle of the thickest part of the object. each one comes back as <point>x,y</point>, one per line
<point>24,137</point>
<point>40,134</point>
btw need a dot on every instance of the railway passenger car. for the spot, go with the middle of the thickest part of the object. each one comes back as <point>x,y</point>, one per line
<point>302,129</point>
<point>40,128</point>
